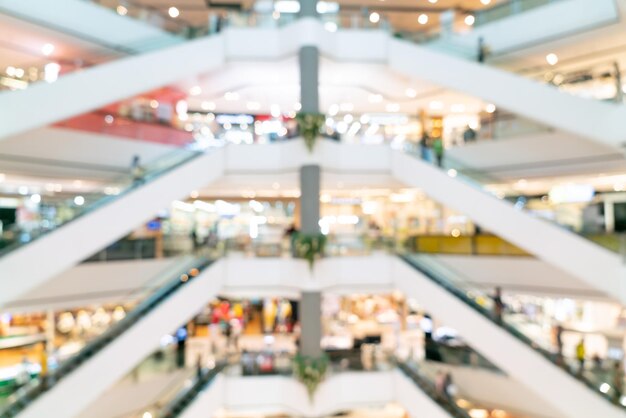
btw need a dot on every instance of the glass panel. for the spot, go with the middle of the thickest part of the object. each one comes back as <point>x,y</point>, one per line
<point>57,209</point>
<point>454,282</point>
<point>581,197</point>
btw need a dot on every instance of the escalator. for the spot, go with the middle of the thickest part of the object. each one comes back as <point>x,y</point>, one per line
<point>68,389</point>
<point>573,392</point>
<point>412,388</point>
<point>596,265</point>
<point>428,388</point>
<point>180,406</point>
<point>31,257</point>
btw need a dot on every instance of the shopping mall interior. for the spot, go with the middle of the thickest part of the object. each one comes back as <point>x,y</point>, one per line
<point>302,208</point>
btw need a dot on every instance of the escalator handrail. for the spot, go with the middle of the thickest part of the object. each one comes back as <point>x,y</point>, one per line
<point>459,294</point>
<point>175,407</point>
<point>39,387</point>
<point>147,178</point>
<point>430,390</point>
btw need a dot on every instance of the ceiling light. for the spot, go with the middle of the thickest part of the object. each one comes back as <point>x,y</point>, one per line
<point>154,104</point>
<point>36,198</point>
<point>297,106</point>
<point>490,108</point>
<point>181,107</point>
<point>287,6</point>
<point>432,1</point>
<point>411,93</point>
<point>327,7</point>
<point>485,2</point>
<point>346,107</point>
<point>207,106</point>
<point>552,59</point>
<point>275,110</point>
<point>457,108</point>
<point>374,17</point>
<point>121,10</point>
<point>51,72</point>
<point>393,107</point>
<point>469,20</point>
<point>436,105</point>
<point>79,200</point>
<point>195,90</point>
<point>10,71</point>
<point>375,98</point>
<point>348,118</point>
<point>173,12</point>
<point>47,49</point>
<point>330,26</point>
<point>333,109</point>
<point>422,19</point>
<point>19,72</point>
<point>253,105</point>
<point>231,96</point>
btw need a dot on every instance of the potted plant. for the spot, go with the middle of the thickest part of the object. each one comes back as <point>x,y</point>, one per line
<point>310,372</point>
<point>309,246</point>
<point>310,125</point>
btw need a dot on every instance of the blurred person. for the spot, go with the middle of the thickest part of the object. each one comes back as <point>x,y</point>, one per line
<point>425,147</point>
<point>438,150</point>
<point>558,339</point>
<point>618,381</point>
<point>440,384</point>
<point>247,361</point>
<point>597,362</point>
<point>580,355</point>
<point>483,50</point>
<point>136,170</point>
<point>498,304</point>
<point>449,387</point>
<point>469,135</point>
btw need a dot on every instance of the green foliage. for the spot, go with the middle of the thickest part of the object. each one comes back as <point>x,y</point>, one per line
<point>310,125</point>
<point>309,246</point>
<point>310,371</point>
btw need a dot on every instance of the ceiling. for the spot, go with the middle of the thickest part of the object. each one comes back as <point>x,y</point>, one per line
<point>402,14</point>
<point>355,87</point>
<point>21,45</point>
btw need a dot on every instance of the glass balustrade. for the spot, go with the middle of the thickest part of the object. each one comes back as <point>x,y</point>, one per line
<point>57,208</point>
<point>487,182</point>
<point>521,327</point>
<point>152,299</point>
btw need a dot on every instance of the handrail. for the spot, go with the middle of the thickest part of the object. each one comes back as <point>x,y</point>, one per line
<point>181,157</point>
<point>38,387</point>
<point>429,389</point>
<point>175,408</point>
<point>553,358</point>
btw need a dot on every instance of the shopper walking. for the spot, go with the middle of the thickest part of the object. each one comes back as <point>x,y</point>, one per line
<point>580,355</point>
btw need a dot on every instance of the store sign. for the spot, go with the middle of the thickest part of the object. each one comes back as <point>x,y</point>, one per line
<point>571,193</point>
